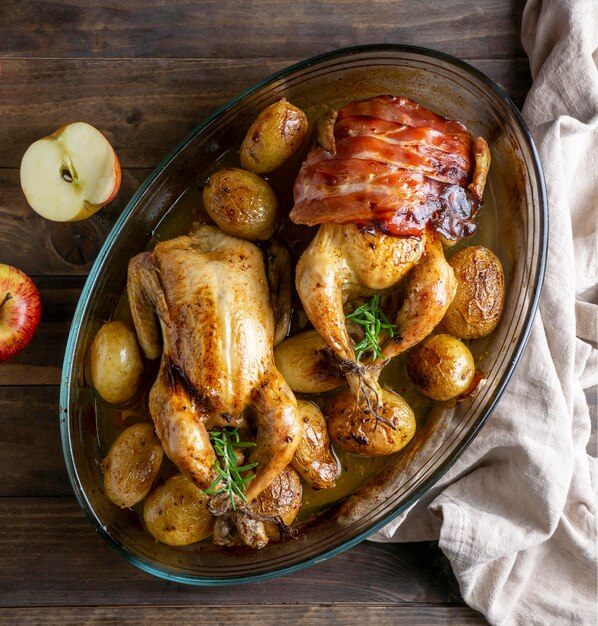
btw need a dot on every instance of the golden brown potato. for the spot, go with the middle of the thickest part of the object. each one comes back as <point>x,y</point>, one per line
<point>274,136</point>
<point>301,361</point>
<point>362,433</point>
<point>313,457</point>
<point>132,465</point>
<point>282,499</point>
<point>441,367</point>
<point>116,366</point>
<point>241,203</point>
<point>175,512</point>
<point>477,305</point>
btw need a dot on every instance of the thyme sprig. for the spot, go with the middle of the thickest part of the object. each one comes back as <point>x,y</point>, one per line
<point>375,324</point>
<point>229,479</point>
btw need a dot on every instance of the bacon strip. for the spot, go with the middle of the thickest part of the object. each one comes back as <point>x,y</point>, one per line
<point>397,167</point>
<point>402,111</point>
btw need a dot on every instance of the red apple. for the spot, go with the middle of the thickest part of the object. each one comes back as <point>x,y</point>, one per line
<point>70,174</point>
<point>20,310</point>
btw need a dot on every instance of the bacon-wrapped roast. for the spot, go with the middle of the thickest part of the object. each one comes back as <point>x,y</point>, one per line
<point>387,179</point>
<point>395,166</point>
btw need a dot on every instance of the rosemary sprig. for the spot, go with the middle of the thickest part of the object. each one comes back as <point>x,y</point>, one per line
<point>229,478</point>
<point>371,316</point>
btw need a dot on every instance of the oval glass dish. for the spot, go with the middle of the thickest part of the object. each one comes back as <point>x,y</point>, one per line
<point>512,223</point>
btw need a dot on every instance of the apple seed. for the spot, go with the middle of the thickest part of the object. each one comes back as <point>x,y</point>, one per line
<point>67,171</point>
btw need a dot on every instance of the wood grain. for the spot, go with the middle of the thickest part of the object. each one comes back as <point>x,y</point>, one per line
<point>290,615</point>
<point>214,28</point>
<point>30,448</point>
<point>42,248</point>
<point>89,572</point>
<point>153,103</point>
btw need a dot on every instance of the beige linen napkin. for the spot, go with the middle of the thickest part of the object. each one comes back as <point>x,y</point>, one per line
<point>516,515</point>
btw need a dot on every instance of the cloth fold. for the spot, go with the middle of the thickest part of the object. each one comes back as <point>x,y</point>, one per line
<point>516,515</point>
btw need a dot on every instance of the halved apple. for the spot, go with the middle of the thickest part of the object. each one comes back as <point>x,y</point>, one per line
<point>70,174</point>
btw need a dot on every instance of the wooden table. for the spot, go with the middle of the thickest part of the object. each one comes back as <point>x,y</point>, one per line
<point>146,73</point>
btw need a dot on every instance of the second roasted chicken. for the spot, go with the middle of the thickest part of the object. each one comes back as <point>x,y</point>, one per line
<point>388,182</point>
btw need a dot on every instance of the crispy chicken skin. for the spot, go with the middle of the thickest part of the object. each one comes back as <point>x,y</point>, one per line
<point>333,270</point>
<point>431,288</point>
<point>210,294</point>
<point>342,262</point>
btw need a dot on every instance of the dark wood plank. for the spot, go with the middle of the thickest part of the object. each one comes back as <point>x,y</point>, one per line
<point>213,28</point>
<point>152,104</point>
<point>43,248</point>
<point>52,556</point>
<point>308,613</point>
<point>30,448</point>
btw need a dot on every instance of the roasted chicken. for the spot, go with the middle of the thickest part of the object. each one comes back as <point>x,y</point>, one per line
<point>388,182</point>
<point>210,294</point>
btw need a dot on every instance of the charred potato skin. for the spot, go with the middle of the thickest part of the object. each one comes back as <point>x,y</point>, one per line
<point>441,367</point>
<point>116,365</point>
<point>477,306</point>
<point>241,203</point>
<point>175,512</point>
<point>281,500</point>
<point>313,457</point>
<point>302,362</point>
<point>277,132</point>
<point>132,465</point>
<point>359,433</point>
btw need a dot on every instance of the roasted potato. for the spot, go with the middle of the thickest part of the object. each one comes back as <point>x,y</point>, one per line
<point>313,457</point>
<point>176,512</point>
<point>302,362</point>
<point>282,500</point>
<point>362,433</point>
<point>116,366</point>
<point>132,465</point>
<point>241,203</point>
<point>478,303</point>
<point>274,136</point>
<point>441,367</point>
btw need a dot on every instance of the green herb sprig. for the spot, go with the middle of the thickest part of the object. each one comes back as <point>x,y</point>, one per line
<point>375,324</point>
<point>229,478</point>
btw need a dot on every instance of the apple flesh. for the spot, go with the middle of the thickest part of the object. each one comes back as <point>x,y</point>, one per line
<point>70,174</point>
<point>20,310</point>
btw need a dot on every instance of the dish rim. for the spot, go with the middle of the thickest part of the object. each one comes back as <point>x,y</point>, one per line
<point>68,374</point>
